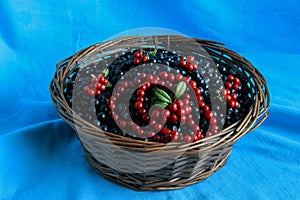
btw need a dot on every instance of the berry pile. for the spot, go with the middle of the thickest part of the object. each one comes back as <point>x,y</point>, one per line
<point>165,104</point>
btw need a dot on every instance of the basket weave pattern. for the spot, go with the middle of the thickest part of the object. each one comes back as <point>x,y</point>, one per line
<point>198,160</point>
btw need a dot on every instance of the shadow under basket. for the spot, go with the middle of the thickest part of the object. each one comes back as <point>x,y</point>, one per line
<point>183,164</point>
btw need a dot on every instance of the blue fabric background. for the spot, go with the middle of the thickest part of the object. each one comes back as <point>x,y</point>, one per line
<point>40,157</point>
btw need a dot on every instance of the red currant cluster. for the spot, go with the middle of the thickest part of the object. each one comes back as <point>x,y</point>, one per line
<point>140,57</point>
<point>97,85</point>
<point>188,63</point>
<point>232,98</point>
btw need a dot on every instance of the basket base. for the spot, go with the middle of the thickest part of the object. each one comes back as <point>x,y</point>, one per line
<point>131,181</point>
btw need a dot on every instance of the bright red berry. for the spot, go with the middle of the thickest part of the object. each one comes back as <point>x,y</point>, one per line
<point>193,84</point>
<point>167,113</point>
<point>201,104</point>
<point>104,81</point>
<point>98,85</point>
<point>228,97</point>
<point>228,85</point>
<point>182,62</point>
<point>138,105</point>
<point>197,91</point>
<point>173,107</point>
<point>230,78</point>
<point>236,86</point>
<point>231,103</point>
<point>137,54</point>
<point>237,81</point>
<point>141,99</point>
<point>141,93</point>
<point>205,108</point>
<point>173,118</point>
<point>136,61</point>
<point>103,87</point>
<point>234,96</point>
<point>208,115</point>
<point>145,58</point>
<point>98,92</point>
<point>189,67</point>
<point>142,111</point>
<point>143,87</point>
<point>237,105</point>
<point>195,66</point>
<point>148,85</point>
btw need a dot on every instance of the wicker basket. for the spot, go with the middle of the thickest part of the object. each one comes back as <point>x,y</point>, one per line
<point>197,161</point>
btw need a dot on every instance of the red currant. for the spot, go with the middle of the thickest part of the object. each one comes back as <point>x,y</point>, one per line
<point>141,93</point>
<point>182,62</point>
<point>236,86</point>
<point>171,77</point>
<point>189,67</point>
<point>237,81</point>
<point>164,75</point>
<point>230,78</point>
<point>149,77</point>
<point>234,96</point>
<point>91,92</point>
<point>173,118</point>
<point>145,58</point>
<point>137,54</point>
<point>193,84</point>
<point>228,85</point>
<point>142,111</point>
<point>138,105</point>
<point>157,127</point>
<point>137,61</point>
<point>173,107</point>
<point>179,77</point>
<point>197,91</point>
<point>146,118</point>
<point>231,103</point>
<point>188,138</point>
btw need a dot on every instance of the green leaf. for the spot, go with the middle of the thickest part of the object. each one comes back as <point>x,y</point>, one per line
<point>93,76</point>
<point>108,84</point>
<point>105,72</point>
<point>153,52</point>
<point>162,96</point>
<point>180,89</point>
<point>161,104</point>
